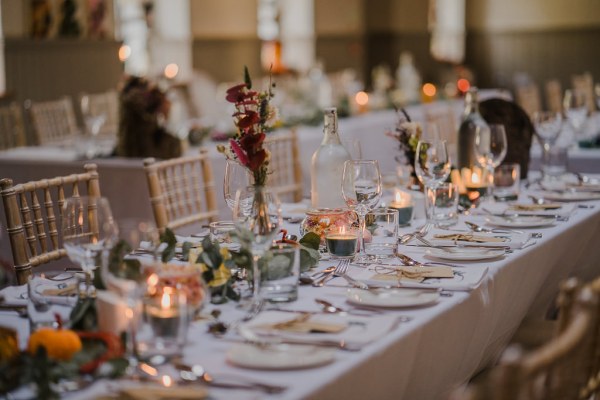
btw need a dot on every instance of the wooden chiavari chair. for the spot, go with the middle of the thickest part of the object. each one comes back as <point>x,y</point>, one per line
<point>12,128</point>
<point>585,84</point>
<point>565,367</point>
<point>285,172</point>
<point>554,96</point>
<point>33,211</point>
<point>107,104</point>
<point>53,122</point>
<point>182,190</point>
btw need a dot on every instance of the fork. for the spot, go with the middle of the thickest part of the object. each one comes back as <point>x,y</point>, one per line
<point>341,271</point>
<point>322,280</point>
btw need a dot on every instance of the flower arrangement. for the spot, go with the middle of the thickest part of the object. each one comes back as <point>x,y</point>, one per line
<point>254,116</point>
<point>143,110</point>
<point>408,134</point>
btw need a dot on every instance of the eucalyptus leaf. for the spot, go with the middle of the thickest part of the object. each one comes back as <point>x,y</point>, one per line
<point>185,251</point>
<point>311,240</point>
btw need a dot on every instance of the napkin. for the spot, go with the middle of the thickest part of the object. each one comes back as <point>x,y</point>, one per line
<point>463,279</point>
<point>160,392</point>
<point>511,240</point>
<point>358,329</point>
<point>413,274</point>
<point>303,323</point>
<point>499,208</point>
<point>459,237</point>
<point>535,207</point>
<point>17,295</point>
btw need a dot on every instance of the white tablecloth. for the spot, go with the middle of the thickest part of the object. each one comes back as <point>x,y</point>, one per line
<point>443,345</point>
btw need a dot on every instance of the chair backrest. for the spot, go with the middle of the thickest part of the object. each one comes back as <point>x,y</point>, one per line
<point>107,104</point>
<point>528,97</point>
<point>12,128</point>
<point>585,84</point>
<point>285,171</point>
<point>182,190</point>
<point>53,121</point>
<point>554,96</point>
<point>566,367</point>
<point>33,211</point>
<point>518,126</point>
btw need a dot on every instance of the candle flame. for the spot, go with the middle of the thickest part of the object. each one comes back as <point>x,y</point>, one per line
<point>165,300</point>
<point>475,177</point>
<point>166,380</point>
<point>150,370</point>
<point>152,280</point>
<point>398,196</point>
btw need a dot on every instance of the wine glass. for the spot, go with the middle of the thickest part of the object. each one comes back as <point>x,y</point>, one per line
<point>237,178</point>
<point>88,229</point>
<point>432,163</point>
<point>576,109</point>
<point>548,125</point>
<point>256,226</point>
<point>92,117</point>
<point>126,279</point>
<point>361,190</point>
<point>490,147</point>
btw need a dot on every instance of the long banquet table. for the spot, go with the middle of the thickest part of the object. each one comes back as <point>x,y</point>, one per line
<point>441,347</point>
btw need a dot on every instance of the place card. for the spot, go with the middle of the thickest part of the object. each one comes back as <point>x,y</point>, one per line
<point>415,274</point>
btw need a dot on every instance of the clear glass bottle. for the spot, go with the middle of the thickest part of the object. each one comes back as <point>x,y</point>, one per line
<point>327,165</point>
<point>471,119</point>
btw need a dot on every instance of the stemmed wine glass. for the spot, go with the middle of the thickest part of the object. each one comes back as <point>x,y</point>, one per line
<point>548,125</point>
<point>127,279</point>
<point>361,189</point>
<point>88,229</point>
<point>576,109</point>
<point>257,223</point>
<point>432,163</point>
<point>237,178</point>
<point>93,120</point>
<point>490,147</point>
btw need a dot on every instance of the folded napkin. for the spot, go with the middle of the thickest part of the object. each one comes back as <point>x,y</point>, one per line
<point>463,279</point>
<point>303,323</point>
<point>560,209</point>
<point>535,207</point>
<point>413,274</point>
<point>357,329</point>
<point>513,240</point>
<point>53,291</point>
<point>160,392</point>
<point>460,237</point>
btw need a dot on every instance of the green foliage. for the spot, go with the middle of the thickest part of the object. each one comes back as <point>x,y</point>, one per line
<point>169,238</point>
<point>247,79</point>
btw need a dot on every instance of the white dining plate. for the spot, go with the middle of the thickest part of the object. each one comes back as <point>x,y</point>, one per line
<point>392,298</point>
<point>571,196</point>
<point>279,356</point>
<point>466,254</point>
<point>524,221</point>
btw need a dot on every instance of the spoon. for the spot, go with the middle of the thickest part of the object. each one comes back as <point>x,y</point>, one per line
<point>195,372</point>
<point>477,228</point>
<point>307,278</point>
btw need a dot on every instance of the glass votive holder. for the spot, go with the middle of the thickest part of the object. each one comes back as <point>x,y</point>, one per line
<point>166,319</point>
<point>341,241</point>
<point>220,230</point>
<point>381,233</point>
<point>279,274</point>
<point>441,204</point>
<point>507,179</point>
<point>403,204</point>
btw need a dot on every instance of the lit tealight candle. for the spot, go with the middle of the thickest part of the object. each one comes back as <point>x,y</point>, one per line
<point>341,242</point>
<point>403,203</point>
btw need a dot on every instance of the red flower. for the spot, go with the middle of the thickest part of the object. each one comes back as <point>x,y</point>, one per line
<point>248,119</point>
<point>236,94</point>
<point>256,160</point>
<point>240,154</point>
<point>251,143</point>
